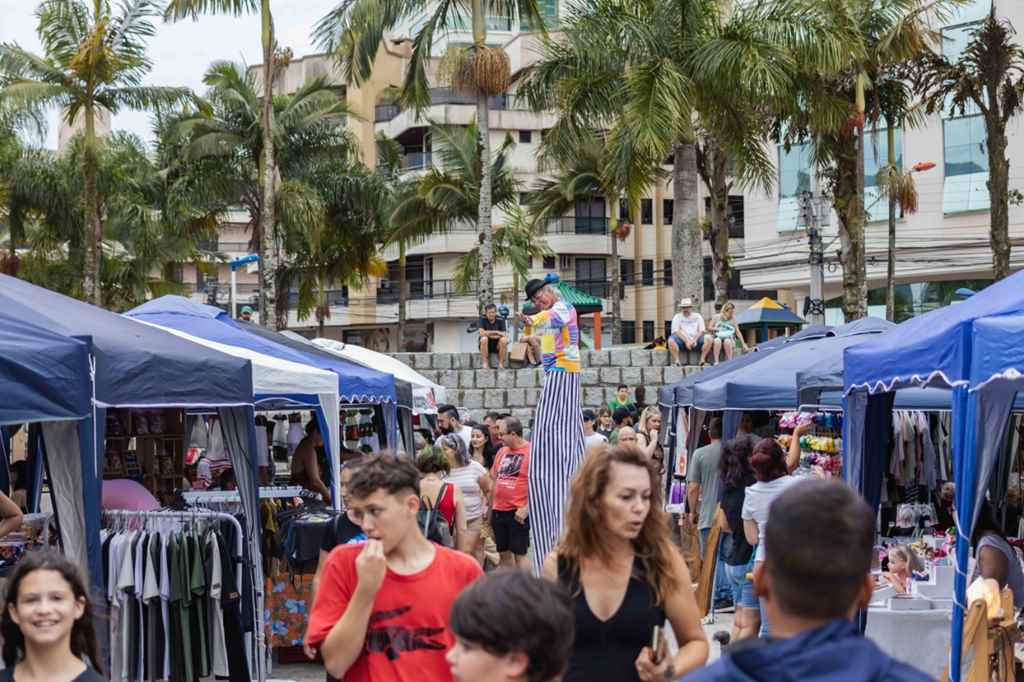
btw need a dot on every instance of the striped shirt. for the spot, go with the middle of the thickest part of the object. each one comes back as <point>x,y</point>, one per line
<point>559,333</point>
<point>467,479</point>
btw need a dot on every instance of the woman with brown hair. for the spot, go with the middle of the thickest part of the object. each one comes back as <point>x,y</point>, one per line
<point>625,576</point>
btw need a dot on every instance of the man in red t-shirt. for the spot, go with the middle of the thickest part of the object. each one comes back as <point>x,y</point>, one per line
<point>510,509</point>
<point>382,610</point>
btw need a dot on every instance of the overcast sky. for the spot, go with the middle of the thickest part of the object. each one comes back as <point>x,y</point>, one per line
<point>181,52</point>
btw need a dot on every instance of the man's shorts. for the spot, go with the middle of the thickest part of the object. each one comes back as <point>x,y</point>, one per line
<point>509,534</point>
<point>678,340</point>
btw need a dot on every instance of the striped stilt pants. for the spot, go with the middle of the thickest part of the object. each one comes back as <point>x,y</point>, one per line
<point>556,452</point>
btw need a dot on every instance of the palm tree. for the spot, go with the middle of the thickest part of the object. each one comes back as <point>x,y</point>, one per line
<point>266,164</point>
<point>834,109</point>
<point>228,129</point>
<point>587,174</point>
<point>989,75</point>
<point>354,30</point>
<point>449,194</point>
<point>645,70</point>
<point>93,60</point>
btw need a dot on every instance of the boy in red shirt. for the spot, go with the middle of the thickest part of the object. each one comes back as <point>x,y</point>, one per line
<point>382,610</point>
<point>510,509</point>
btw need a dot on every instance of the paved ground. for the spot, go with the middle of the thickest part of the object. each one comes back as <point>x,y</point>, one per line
<point>309,672</point>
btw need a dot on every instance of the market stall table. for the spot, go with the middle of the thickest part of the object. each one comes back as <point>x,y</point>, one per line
<point>918,638</point>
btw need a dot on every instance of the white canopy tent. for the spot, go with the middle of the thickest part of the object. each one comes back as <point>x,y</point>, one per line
<point>426,395</point>
<point>279,384</point>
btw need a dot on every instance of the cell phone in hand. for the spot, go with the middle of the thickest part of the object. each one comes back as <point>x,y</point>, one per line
<point>656,640</point>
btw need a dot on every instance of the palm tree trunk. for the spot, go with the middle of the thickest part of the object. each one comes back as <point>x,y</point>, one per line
<point>613,226</point>
<point>91,281</point>
<point>486,288</point>
<point>513,329</point>
<point>890,275</point>
<point>998,188</point>
<point>687,257</point>
<point>268,231</point>
<point>401,296</point>
<point>718,237</point>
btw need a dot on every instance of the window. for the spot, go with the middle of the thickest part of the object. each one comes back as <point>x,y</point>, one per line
<point>529,262</point>
<point>549,262</point>
<point>668,210</point>
<point>667,273</point>
<point>628,331</point>
<point>548,11</point>
<point>592,276</point>
<point>648,331</point>
<point>668,328</point>
<point>623,210</point>
<point>794,178</point>
<point>733,211</point>
<point>647,211</point>
<point>647,272</point>
<point>972,11</point>
<point>590,217</point>
<point>966,165</point>
<point>876,157</point>
<point>524,198</point>
<point>626,271</point>
<point>525,136</point>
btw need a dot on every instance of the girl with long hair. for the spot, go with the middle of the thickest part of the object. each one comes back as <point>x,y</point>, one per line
<point>648,435</point>
<point>470,477</point>
<point>604,422</point>
<point>436,492</point>
<point>736,475</point>
<point>724,334</point>
<point>903,563</point>
<point>625,575</point>
<point>771,469</point>
<point>47,623</point>
<point>481,449</point>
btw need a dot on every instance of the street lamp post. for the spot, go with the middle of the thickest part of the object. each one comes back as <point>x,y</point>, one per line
<point>235,264</point>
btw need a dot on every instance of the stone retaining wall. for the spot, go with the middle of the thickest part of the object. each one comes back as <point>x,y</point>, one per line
<point>477,391</point>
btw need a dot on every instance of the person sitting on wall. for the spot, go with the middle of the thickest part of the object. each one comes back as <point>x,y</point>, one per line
<point>493,337</point>
<point>687,331</point>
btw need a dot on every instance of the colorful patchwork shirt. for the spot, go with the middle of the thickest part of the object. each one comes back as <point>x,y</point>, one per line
<point>559,333</point>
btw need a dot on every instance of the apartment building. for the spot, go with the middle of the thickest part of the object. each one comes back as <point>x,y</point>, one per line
<point>439,318</point>
<point>943,246</point>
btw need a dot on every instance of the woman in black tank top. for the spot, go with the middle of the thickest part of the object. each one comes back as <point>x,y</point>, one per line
<point>624,574</point>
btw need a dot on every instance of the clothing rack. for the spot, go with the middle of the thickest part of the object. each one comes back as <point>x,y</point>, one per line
<point>194,515</point>
<point>266,493</point>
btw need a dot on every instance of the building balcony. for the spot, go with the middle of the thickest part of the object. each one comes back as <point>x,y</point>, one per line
<point>577,225</point>
<point>382,113</point>
<point>414,161</point>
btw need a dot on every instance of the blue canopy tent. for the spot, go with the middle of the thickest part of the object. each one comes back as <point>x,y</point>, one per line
<point>971,349</point>
<point>356,384</point>
<point>135,366</point>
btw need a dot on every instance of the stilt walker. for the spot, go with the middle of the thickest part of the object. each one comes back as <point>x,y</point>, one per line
<point>557,447</point>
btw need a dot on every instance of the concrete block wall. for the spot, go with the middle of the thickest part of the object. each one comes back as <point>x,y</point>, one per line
<point>476,391</point>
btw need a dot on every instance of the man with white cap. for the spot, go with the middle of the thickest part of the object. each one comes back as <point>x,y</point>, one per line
<point>687,331</point>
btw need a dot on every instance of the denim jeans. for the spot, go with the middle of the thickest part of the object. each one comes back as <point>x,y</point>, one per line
<point>723,588</point>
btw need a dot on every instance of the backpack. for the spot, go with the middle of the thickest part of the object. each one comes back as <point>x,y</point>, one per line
<point>434,526</point>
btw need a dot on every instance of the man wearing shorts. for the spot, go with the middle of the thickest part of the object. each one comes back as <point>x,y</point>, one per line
<point>510,511</point>
<point>687,331</point>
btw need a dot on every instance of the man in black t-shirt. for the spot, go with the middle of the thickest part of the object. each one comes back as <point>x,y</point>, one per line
<point>493,338</point>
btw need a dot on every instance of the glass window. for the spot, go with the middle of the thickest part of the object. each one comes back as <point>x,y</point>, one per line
<point>623,211</point>
<point>876,157</point>
<point>549,262</point>
<point>648,331</point>
<point>954,42</point>
<point>966,165</point>
<point>626,271</point>
<point>524,198</point>
<point>668,210</point>
<point>525,136</point>
<point>647,211</point>
<point>548,10</point>
<point>972,10</point>
<point>628,331</point>
<point>591,276</point>
<point>794,178</point>
<point>647,272</point>
<point>667,273</point>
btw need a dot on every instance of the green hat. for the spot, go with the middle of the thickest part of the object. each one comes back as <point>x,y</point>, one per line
<point>247,309</point>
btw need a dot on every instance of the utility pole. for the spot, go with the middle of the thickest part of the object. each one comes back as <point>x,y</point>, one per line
<point>814,306</point>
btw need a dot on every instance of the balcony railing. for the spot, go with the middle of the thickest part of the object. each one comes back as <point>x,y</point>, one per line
<point>449,96</point>
<point>422,290</point>
<point>578,225</point>
<point>417,161</point>
<point>385,112</point>
<point>335,297</point>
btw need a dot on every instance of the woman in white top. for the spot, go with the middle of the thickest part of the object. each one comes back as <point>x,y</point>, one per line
<point>771,466</point>
<point>474,481</point>
<point>724,333</point>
